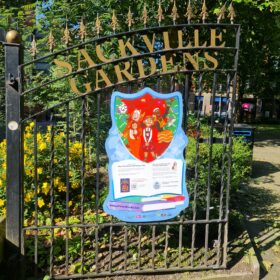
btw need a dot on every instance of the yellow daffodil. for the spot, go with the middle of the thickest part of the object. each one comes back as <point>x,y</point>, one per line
<point>2,202</point>
<point>41,202</point>
<point>75,185</point>
<point>45,188</point>
<point>28,197</point>
<point>40,170</point>
<point>42,146</point>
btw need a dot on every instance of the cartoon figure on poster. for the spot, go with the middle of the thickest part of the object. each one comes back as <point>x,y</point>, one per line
<point>146,164</point>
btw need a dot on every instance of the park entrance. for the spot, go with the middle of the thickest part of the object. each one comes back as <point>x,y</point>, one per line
<point>58,118</point>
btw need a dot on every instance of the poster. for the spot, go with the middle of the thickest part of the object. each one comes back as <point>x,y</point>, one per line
<point>146,165</point>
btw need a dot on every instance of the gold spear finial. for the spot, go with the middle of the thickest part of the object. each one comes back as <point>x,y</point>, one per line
<point>189,13</point>
<point>221,14</point>
<point>114,23</point>
<point>51,42</point>
<point>204,13</point>
<point>145,16</point>
<point>66,35</point>
<point>98,26</point>
<point>174,13</point>
<point>160,16</point>
<point>33,48</point>
<point>83,29</point>
<point>130,19</point>
<point>231,14</point>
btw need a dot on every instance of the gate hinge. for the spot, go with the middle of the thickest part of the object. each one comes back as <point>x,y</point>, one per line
<point>12,81</point>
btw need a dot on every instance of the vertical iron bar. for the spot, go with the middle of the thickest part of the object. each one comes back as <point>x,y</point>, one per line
<point>21,206</point>
<point>232,116</point>
<point>185,126</point>
<point>14,159</point>
<point>223,171</point>
<point>36,196</point>
<point>158,84</point>
<point>210,168</point>
<point>196,167</point>
<point>83,183</point>
<point>172,83</point>
<point>180,244</point>
<point>97,159</point>
<point>97,182</point>
<point>67,191</point>
<point>110,249</point>
<point>166,245</point>
<point>186,103</point>
<point>125,247</point>
<point>139,247</point>
<point>52,191</point>
<point>185,116</point>
<point>96,248</point>
<point>153,245</point>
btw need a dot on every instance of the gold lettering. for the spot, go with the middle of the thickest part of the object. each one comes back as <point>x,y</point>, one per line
<point>211,59</point>
<point>149,44</point>
<point>72,81</point>
<point>87,59</point>
<point>180,39</point>
<point>100,54</point>
<point>191,59</point>
<point>128,45</point>
<point>65,65</point>
<point>166,40</point>
<point>123,72</point>
<point>103,78</point>
<point>75,89</point>
<point>165,63</point>
<point>141,65</point>
<point>196,39</point>
<point>214,36</point>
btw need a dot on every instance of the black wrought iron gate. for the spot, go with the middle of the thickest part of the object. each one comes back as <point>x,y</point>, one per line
<point>58,120</point>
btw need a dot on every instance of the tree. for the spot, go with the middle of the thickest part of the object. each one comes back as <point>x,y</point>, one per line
<point>259,49</point>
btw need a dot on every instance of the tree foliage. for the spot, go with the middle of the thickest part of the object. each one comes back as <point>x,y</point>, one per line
<point>260,37</point>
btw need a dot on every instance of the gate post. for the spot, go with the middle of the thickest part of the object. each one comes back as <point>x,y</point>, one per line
<point>13,137</point>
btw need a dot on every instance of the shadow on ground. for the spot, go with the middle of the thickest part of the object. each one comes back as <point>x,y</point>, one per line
<point>263,168</point>
<point>265,143</point>
<point>262,220</point>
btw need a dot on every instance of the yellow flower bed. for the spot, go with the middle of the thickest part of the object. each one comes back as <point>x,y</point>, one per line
<point>44,180</point>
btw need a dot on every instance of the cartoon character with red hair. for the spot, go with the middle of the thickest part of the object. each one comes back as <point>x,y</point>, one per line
<point>149,138</point>
<point>133,132</point>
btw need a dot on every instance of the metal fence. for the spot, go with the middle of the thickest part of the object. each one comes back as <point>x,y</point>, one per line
<point>57,166</point>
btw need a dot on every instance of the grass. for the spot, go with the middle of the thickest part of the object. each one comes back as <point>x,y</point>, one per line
<point>268,128</point>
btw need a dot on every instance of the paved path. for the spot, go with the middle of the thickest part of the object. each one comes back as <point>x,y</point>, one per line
<point>263,203</point>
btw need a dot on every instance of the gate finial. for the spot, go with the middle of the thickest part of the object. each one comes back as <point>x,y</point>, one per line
<point>145,16</point>
<point>33,48</point>
<point>231,14</point>
<point>83,30</point>
<point>221,14</point>
<point>66,37</point>
<point>160,16</point>
<point>98,26</point>
<point>189,13</point>
<point>174,13</point>
<point>114,23</point>
<point>130,19</point>
<point>51,42</point>
<point>13,37</point>
<point>204,13</point>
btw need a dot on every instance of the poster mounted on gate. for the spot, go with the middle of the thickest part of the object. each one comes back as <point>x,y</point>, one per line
<point>146,164</point>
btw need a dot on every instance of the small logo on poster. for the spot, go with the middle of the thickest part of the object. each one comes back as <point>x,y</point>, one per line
<point>125,185</point>
<point>156,185</point>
